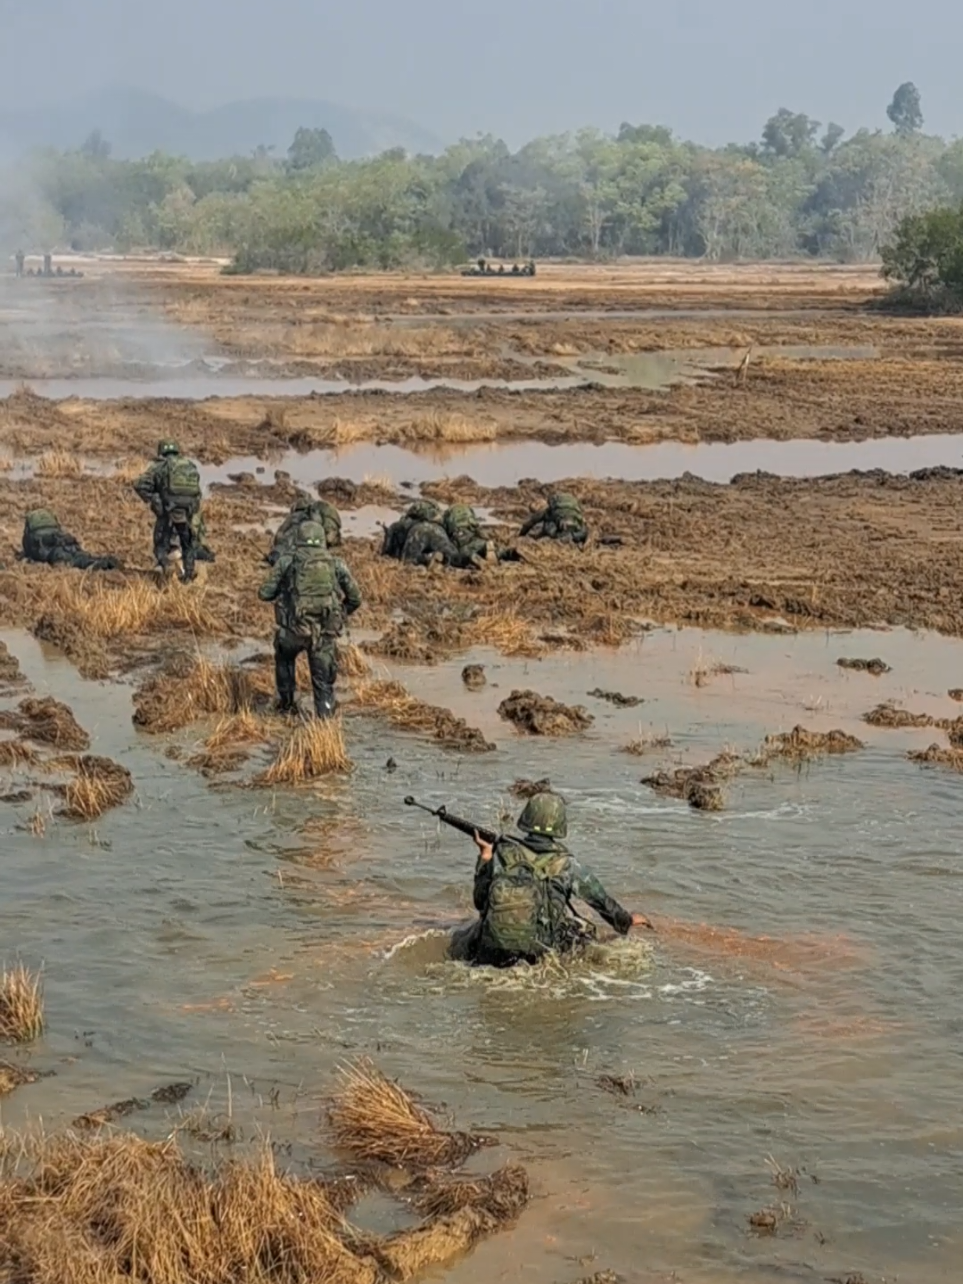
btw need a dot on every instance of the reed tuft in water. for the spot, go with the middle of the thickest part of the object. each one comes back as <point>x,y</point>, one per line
<point>21,1005</point>
<point>377,1120</point>
<point>315,748</point>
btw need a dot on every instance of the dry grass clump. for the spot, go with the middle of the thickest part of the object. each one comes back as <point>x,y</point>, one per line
<point>956,693</point>
<point>10,671</point>
<point>800,744</point>
<point>701,787</point>
<point>887,715</point>
<point>644,744</point>
<point>315,748</point>
<point>938,756</point>
<point>188,688</point>
<point>351,661</point>
<point>376,1120</point>
<point>75,639</point>
<point>442,425</point>
<point>100,784</point>
<point>13,1077</point>
<point>503,1192</point>
<point>404,710</point>
<point>543,716</point>
<point>107,609</point>
<point>704,671</point>
<point>506,633</point>
<point>21,1005</point>
<point>522,788</point>
<point>47,721</point>
<point>59,463</point>
<point>14,753</point>
<point>875,667</point>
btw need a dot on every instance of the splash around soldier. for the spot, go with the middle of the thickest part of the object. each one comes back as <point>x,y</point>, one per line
<point>313,593</point>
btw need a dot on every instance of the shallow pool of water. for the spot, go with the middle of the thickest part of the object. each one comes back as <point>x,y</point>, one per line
<point>506,463</point>
<point>257,938</point>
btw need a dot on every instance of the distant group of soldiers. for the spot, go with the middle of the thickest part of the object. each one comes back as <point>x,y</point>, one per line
<point>48,269</point>
<point>483,268</point>
<point>312,590</point>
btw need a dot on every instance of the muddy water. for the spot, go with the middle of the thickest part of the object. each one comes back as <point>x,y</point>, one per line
<point>505,464</point>
<point>199,932</point>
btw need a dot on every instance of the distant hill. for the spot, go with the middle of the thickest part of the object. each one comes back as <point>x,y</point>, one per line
<point>138,123</point>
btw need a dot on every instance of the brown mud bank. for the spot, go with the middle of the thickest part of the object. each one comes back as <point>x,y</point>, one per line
<point>780,400</point>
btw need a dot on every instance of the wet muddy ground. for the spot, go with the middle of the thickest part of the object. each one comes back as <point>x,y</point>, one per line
<point>763,1089</point>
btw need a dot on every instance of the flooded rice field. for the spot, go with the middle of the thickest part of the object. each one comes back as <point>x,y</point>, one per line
<point>798,1001</point>
<point>763,1089</point>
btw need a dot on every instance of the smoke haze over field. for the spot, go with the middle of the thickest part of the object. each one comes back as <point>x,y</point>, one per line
<point>513,67</point>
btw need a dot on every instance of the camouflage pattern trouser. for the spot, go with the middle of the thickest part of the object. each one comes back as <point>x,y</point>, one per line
<point>322,653</point>
<point>57,548</point>
<point>566,532</point>
<point>168,527</point>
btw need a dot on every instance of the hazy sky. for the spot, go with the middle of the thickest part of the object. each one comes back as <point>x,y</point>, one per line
<point>712,71</point>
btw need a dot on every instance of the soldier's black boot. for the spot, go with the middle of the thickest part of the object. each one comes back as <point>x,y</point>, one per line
<point>286,683</point>
<point>324,702</point>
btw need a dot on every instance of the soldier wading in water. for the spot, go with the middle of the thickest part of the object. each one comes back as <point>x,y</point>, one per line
<point>523,893</point>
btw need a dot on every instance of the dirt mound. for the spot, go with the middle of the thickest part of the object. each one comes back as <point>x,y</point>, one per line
<point>100,784</point>
<point>48,722</point>
<point>887,715</point>
<point>404,710</point>
<point>937,756</point>
<point>473,676</point>
<point>956,693</point>
<point>78,643</point>
<point>539,715</point>
<point>617,698</point>
<point>800,744</point>
<point>701,787</point>
<point>527,788</point>
<point>876,667</point>
<point>13,1077</point>
<point>414,643</point>
<point>10,673</point>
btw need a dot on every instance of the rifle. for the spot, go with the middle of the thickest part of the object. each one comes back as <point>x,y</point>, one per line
<point>463,826</point>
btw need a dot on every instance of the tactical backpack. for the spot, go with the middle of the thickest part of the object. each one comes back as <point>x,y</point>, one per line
<point>565,511</point>
<point>180,484</point>
<point>520,918</point>
<point>331,521</point>
<point>40,521</point>
<point>461,524</point>
<point>313,601</point>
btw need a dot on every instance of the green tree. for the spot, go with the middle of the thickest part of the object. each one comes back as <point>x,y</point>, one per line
<point>96,145</point>
<point>789,133</point>
<point>925,258</point>
<point>310,149</point>
<point>905,111</point>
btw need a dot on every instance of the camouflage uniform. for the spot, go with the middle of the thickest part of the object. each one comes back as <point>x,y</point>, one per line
<point>177,516</point>
<point>396,535</point>
<point>562,519</point>
<point>427,541</point>
<point>558,927</point>
<point>463,529</point>
<point>306,509</point>
<point>312,593</point>
<point>45,540</point>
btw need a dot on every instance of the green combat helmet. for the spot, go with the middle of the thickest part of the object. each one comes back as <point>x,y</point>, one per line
<point>302,503</point>
<point>311,535</point>
<point>544,814</point>
<point>168,447</point>
<point>424,510</point>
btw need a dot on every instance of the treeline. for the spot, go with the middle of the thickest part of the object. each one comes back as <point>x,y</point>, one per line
<point>802,190</point>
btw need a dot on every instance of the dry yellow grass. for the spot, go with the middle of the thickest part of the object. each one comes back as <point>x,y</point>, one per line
<point>442,425</point>
<point>377,1120</point>
<point>107,610</point>
<point>507,633</point>
<point>315,748</point>
<point>14,753</point>
<point>243,728</point>
<point>189,688</point>
<point>99,785</point>
<point>21,1004</point>
<point>59,463</point>
<point>395,702</point>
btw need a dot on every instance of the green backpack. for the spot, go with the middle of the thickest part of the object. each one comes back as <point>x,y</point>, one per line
<point>461,524</point>
<point>520,914</point>
<point>565,511</point>
<point>314,599</point>
<point>331,521</point>
<point>40,520</point>
<point>181,482</point>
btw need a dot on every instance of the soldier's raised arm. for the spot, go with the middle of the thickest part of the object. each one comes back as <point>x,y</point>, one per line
<point>533,521</point>
<point>587,887</point>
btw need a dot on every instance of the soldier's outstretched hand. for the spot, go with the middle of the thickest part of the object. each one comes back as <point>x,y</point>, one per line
<point>639,920</point>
